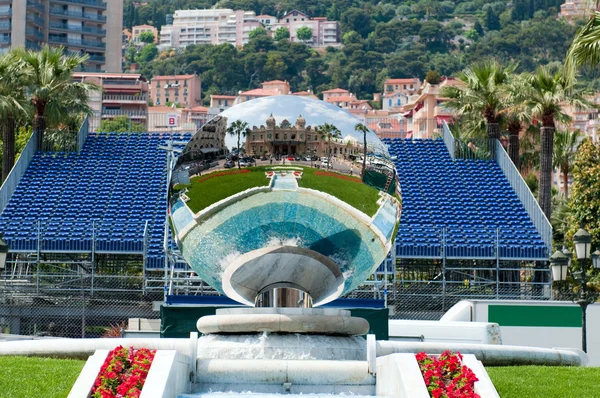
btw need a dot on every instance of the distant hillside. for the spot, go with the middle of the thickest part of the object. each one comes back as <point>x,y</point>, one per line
<point>381,39</point>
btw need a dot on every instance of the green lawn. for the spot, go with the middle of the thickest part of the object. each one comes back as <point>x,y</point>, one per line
<point>545,381</point>
<point>25,377</point>
<point>210,188</point>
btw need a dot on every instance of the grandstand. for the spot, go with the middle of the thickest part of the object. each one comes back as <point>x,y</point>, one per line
<point>86,234</point>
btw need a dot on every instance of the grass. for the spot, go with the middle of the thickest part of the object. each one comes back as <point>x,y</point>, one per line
<point>545,381</point>
<point>210,188</point>
<point>26,377</point>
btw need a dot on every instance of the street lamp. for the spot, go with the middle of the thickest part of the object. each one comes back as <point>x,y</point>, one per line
<point>560,262</point>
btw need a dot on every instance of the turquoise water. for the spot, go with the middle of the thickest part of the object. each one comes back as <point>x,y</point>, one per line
<point>386,218</point>
<point>181,214</point>
<point>284,182</point>
<point>277,218</point>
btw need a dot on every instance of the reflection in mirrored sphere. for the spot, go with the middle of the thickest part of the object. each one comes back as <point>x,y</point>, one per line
<point>291,226</point>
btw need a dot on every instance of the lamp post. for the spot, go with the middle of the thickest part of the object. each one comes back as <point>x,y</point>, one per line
<point>560,262</point>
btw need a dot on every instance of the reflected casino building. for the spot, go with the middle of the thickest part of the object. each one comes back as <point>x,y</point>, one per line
<point>287,139</point>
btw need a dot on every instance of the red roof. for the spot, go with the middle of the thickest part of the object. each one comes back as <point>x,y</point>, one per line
<point>341,98</point>
<point>401,81</point>
<point>198,109</point>
<point>335,90</point>
<point>130,76</point>
<point>222,96</point>
<point>263,16</point>
<point>275,82</point>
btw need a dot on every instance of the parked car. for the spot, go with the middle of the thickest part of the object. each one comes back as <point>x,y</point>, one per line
<point>290,158</point>
<point>229,164</point>
<point>263,158</point>
<point>306,158</point>
<point>246,162</point>
<point>297,158</point>
<point>325,163</point>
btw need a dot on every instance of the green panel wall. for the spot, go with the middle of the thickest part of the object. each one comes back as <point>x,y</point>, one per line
<point>535,315</point>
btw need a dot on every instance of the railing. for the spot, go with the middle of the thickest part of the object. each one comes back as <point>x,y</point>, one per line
<point>83,133</point>
<point>74,14</point>
<point>109,97</point>
<point>35,19</point>
<point>5,25</point>
<point>35,33</point>
<point>97,58</point>
<point>4,39</point>
<point>36,5</point>
<point>524,193</point>
<point>18,170</point>
<point>82,43</point>
<point>6,12</point>
<point>448,139</point>
<point>88,3</point>
<point>30,45</point>
<point>74,28</point>
<point>118,112</point>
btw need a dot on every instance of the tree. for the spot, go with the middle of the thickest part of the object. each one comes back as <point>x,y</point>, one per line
<point>584,49</point>
<point>585,191</point>
<point>12,105</point>
<point>254,33</point>
<point>515,115</point>
<point>547,93</point>
<point>282,33</point>
<point>238,128</point>
<point>478,28</point>
<point>304,34</point>
<point>49,83</point>
<point>433,77</point>
<point>146,37</point>
<point>121,124</point>
<point>479,100</point>
<point>361,128</point>
<point>492,21</point>
<point>565,146</point>
<point>329,131</point>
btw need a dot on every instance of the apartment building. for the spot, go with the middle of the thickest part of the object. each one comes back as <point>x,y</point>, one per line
<point>572,9</point>
<point>325,33</point>
<point>408,86</point>
<point>121,94</point>
<point>218,26</point>
<point>184,90</point>
<point>137,30</point>
<point>426,113</point>
<point>269,88</point>
<point>81,26</point>
<point>214,26</point>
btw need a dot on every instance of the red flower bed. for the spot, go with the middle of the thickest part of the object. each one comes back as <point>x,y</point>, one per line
<point>123,373</point>
<point>446,376</point>
<point>341,177</point>
<point>221,174</point>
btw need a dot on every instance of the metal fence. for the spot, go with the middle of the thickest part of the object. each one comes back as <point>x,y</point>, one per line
<point>524,193</point>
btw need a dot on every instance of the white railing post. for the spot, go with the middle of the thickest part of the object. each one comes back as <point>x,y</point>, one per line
<point>18,170</point>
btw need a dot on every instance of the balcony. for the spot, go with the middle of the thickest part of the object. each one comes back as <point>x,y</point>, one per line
<point>86,3</point>
<point>36,20</point>
<point>34,33</point>
<point>5,12</point>
<point>72,28</point>
<point>4,40</point>
<point>118,112</point>
<point>96,59</point>
<point>38,6</point>
<point>5,25</point>
<point>76,14</point>
<point>124,98</point>
<point>78,43</point>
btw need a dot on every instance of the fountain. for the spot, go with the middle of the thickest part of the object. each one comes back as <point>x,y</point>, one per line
<point>283,249</point>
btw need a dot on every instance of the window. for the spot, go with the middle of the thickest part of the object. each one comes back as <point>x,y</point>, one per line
<point>219,102</point>
<point>405,86</point>
<point>276,136</point>
<point>185,84</point>
<point>411,86</point>
<point>261,137</point>
<point>390,102</point>
<point>293,136</point>
<point>390,87</point>
<point>226,104</point>
<point>396,87</point>
<point>399,102</point>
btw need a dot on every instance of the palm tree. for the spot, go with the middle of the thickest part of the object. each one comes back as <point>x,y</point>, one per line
<point>12,106</point>
<point>329,131</point>
<point>585,47</point>
<point>361,128</point>
<point>53,94</point>
<point>516,114</point>
<point>479,100</point>
<point>238,128</point>
<point>565,146</point>
<point>547,93</point>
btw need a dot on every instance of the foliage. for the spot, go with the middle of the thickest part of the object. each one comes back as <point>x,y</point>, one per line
<point>565,147</point>
<point>121,124</point>
<point>123,373</point>
<point>543,381</point>
<point>281,33</point>
<point>446,377</point>
<point>585,191</point>
<point>25,377</point>
<point>238,128</point>
<point>433,77</point>
<point>304,34</point>
<point>146,37</point>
